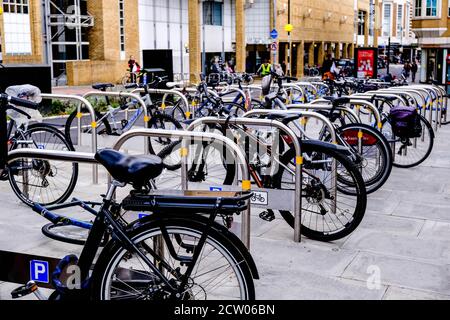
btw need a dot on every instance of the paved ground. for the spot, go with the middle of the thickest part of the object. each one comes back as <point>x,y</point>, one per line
<point>400,251</point>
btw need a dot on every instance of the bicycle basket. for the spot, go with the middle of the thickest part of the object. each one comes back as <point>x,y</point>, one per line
<point>405,122</point>
<point>27,92</point>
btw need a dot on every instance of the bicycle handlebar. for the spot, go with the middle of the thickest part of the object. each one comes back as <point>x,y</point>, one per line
<point>19,102</point>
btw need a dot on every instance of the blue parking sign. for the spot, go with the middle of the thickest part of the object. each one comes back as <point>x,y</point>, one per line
<point>39,271</point>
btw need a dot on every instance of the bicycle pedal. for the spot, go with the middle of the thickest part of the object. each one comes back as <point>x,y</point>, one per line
<point>268,216</point>
<point>29,288</point>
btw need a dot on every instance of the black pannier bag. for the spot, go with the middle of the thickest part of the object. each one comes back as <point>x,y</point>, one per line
<point>405,122</point>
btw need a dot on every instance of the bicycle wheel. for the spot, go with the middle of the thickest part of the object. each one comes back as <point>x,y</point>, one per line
<point>68,233</point>
<point>207,163</point>
<point>235,109</point>
<point>321,219</point>
<point>45,182</point>
<point>70,129</point>
<point>411,152</point>
<point>165,122</point>
<point>375,159</point>
<point>220,272</point>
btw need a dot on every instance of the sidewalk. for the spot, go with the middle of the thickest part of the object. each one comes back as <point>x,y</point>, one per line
<point>400,251</point>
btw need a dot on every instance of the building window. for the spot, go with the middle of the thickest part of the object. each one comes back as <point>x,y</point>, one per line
<point>431,8</point>
<point>387,20</point>
<point>400,20</point>
<point>361,22</point>
<point>15,6</point>
<point>212,13</point>
<point>122,26</point>
<point>17,27</point>
<point>418,8</point>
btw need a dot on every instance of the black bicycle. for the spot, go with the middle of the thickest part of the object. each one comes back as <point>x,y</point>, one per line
<point>173,253</point>
<point>43,181</point>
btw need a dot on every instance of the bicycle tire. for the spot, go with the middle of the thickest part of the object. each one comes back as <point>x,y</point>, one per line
<point>174,150</point>
<point>430,132</point>
<point>360,202</point>
<point>158,122</point>
<point>63,236</point>
<point>376,181</point>
<point>113,253</point>
<point>73,117</point>
<point>42,127</point>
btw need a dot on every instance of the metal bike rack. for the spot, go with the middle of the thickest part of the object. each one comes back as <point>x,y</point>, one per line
<point>295,87</point>
<point>123,95</point>
<point>315,105</point>
<point>166,93</point>
<point>357,103</point>
<point>371,94</point>
<point>305,114</point>
<point>82,101</point>
<point>298,151</point>
<point>189,135</point>
<point>439,99</point>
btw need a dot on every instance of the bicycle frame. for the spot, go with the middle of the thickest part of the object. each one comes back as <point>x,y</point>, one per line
<point>105,218</point>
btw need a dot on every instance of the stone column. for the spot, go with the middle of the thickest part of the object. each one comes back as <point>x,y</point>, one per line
<point>194,41</point>
<point>321,55</point>
<point>351,51</point>
<point>337,50</point>
<point>300,59</point>
<point>366,29</point>
<point>241,52</point>
<point>311,54</point>
<point>344,50</point>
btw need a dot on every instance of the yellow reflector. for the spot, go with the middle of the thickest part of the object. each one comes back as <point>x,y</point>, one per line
<point>246,185</point>
<point>299,160</point>
<point>380,125</point>
<point>79,115</point>
<point>188,114</point>
<point>146,118</point>
<point>360,135</point>
<point>94,125</point>
<point>184,152</point>
<point>163,106</point>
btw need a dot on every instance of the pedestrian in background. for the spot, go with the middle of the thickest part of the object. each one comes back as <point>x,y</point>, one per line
<point>414,69</point>
<point>264,69</point>
<point>407,69</point>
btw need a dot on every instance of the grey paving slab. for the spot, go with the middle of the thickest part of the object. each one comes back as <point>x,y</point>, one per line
<point>391,224</point>
<point>401,272</point>
<point>405,235</point>
<point>298,285</point>
<point>399,245</point>
<point>305,256</point>
<point>397,293</point>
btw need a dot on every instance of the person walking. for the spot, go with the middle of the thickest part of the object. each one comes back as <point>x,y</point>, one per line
<point>414,69</point>
<point>407,69</point>
<point>326,67</point>
<point>264,69</point>
<point>134,68</point>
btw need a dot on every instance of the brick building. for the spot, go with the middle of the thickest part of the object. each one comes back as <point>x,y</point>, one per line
<point>431,24</point>
<point>87,41</point>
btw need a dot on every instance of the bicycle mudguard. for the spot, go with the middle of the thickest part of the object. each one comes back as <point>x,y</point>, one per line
<point>308,146</point>
<point>239,245</point>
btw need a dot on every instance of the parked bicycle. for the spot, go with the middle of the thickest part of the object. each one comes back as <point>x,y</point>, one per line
<point>111,124</point>
<point>45,182</point>
<point>173,253</point>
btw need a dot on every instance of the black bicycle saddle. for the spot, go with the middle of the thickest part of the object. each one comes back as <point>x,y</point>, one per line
<point>102,86</point>
<point>338,101</point>
<point>285,118</point>
<point>135,170</point>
